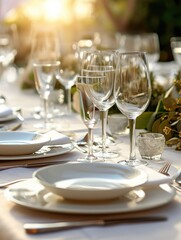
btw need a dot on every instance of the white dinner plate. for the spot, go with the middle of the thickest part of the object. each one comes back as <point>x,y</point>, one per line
<point>21,143</point>
<point>33,195</point>
<point>44,152</point>
<point>8,118</point>
<point>90,181</point>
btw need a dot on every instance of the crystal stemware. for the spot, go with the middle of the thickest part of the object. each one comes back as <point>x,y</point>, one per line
<point>89,115</point>
<point>69,70</point>
<point>7,55</point>
<point>100,67</point>
<point>45,74</point>
<point>45,47</point>
<point>146,42</point>
<point>132,92</point>
<point>175,43</point>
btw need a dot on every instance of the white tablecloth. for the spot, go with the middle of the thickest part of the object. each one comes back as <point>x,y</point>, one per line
<point>12,216</point>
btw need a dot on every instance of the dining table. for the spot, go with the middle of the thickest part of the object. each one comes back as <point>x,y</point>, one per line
<point>13,216</point>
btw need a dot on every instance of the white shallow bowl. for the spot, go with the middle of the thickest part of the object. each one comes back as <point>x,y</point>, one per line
<point>21,143</point>
<point>90,181</point>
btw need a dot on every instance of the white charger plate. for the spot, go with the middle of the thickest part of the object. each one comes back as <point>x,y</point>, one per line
<point>21,143</point>
<point>32,194</point>
<point>90,181</point>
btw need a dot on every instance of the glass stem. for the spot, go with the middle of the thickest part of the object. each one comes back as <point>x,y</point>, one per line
<point>132,125</point>
<point>45,104</point>
<point>69,106</point>
<point>90,143</point>
<point>104,127</point>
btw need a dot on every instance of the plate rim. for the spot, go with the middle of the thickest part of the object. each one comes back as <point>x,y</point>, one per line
<point>59,151</point>
<point>107,210</point>
<point>30,142</point>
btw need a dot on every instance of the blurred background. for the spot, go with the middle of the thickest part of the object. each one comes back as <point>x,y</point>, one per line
<point>102,21</point>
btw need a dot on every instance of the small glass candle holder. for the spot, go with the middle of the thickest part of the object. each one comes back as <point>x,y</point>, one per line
<point>151,145</point>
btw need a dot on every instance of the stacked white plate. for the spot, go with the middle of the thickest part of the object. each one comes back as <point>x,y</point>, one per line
<point>89,188</point>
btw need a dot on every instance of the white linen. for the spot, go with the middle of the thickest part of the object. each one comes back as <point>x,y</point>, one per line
<point>57,138</point>
<point>154,177</point>
<point>12,215</point>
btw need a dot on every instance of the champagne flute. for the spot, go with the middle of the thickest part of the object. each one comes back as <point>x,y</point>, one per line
<point>132,92</point>
<point>89,115</point>
<point>45,74</point>
<point>101,64</point>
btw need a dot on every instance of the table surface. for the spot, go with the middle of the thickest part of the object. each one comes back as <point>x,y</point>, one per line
<point>12,217</point>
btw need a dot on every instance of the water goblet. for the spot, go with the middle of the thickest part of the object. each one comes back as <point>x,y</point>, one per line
<point>45,74</point>
<point>89,115</point>
<point>133,93</point>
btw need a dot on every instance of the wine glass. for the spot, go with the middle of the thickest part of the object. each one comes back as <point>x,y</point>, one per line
<point>45,74</point>
<point>176,49</point>
<point>101,66</point>
<point>89,114</point>
<point>132,92</point>
<point>7,55</point>
<point>145,42</point>
<point>69,70</point>
<point>45,47</point>
<point>150,44</point>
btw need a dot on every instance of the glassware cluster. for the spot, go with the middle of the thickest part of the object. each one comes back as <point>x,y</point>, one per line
<point>112,77</point>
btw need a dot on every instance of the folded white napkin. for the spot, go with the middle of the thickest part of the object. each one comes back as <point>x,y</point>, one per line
<point>5,111</point>
<point>57,138</point>
<point>154,177</point>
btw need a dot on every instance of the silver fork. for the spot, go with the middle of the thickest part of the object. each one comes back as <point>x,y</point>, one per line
<point>164,170</point>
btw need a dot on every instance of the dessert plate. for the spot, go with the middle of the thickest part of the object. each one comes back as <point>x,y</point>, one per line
<point>32,194</point>
<point>90,181</point>
<point>21,143</point>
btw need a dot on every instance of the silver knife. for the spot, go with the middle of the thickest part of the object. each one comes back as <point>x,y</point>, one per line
<point>34,228</point>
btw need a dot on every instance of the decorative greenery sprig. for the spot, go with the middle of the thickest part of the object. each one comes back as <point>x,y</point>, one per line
<point>167,118</point>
